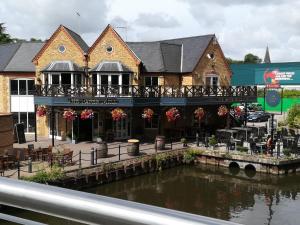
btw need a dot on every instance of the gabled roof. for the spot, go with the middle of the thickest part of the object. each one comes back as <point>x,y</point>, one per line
<point>16,57</point>
<point>179,55</point>
<point>76,38</point>
<point>109,27</point>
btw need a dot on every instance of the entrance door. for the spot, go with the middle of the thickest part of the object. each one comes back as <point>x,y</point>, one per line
<point>83,129</point>
<point>120,129</point>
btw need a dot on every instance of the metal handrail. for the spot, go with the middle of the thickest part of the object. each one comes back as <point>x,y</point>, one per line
<point>90,208</point>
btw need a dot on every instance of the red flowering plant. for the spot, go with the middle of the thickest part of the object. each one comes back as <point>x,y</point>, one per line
<point>148,114</point>
<point>41,111</point>
<point>222,111</point>
<point>238,111</point>
<point>86,114</point>
<point>118,114</point>
<point>199,113</point>
<point>172,114</point>
<point>69,114</point>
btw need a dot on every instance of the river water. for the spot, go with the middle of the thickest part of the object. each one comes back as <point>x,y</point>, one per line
<point>246,198</point>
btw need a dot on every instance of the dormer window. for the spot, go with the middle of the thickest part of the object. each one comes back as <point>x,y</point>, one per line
<point>61,48</point>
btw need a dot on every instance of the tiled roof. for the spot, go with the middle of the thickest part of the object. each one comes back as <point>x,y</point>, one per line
<point>78,39</point>
<point>174,55</point>
<point>16,57</point>
<point>7,51</point>
<point>62,66</point>
<point>110,66</point>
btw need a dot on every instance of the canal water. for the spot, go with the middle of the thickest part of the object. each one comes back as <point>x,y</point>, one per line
<point>246,198</point>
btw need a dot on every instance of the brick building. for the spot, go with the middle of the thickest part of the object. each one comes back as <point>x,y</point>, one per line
<point>185,73</point>
<point>17,75</point>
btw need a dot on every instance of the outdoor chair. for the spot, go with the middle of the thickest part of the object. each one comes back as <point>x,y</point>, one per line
<point>68,157</point>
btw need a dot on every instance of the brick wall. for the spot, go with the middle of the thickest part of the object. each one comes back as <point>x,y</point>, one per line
<point>119,53</point>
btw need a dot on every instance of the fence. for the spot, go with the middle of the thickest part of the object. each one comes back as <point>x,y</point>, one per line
<point>84,158</point>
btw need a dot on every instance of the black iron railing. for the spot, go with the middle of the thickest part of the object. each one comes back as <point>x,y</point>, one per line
<point>137,91</point>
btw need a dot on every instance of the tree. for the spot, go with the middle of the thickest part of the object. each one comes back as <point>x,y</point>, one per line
<point>293,117</point>
<point>233,61</point>
<point>4,37</point>
<point>250,58</point>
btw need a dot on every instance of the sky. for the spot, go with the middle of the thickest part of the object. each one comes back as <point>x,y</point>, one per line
<point>241,26</point>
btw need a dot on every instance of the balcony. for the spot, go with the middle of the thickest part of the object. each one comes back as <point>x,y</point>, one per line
<point>136,94</point>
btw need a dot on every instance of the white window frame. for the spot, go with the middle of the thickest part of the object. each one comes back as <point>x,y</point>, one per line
<point>211,76</point>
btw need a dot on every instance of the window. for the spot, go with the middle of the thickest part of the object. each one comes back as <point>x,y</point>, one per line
<point>109,49</point>
<point>30,87</point>
<point>151,81</point>
<point>14,87</point>
<point>22,87</point>
<point>31,121</point>
<point>212,80</point>
<point>94,79</point>
<point>78,80</point>
<point>61,48</point>
<point>55,79</point>
<point>114,79</point>
<point>153,123</point>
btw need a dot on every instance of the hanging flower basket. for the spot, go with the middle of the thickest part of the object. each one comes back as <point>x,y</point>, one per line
<point>148,114</point>
<point>41,111</point>
<point>173,114</point>
<point>86,114</point>
<point>199,113</point>
<point>69,114</point>
<point>118,114</point>
<point>222,111</point>
<point>238,111</point>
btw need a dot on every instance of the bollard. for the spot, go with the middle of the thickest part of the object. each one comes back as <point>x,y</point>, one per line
<point>96,155</point>
<point>278,149</point>
<point>119,152</point>
<point>29,165</point>
<point>18,165</point>
<point>80,159</point>
<point>92,156</point>
<point>197,139</point>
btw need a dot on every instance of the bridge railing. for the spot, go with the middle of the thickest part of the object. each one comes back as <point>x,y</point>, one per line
<point>90,208</point>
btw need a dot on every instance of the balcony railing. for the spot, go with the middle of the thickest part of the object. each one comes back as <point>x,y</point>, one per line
<point>137,91</point>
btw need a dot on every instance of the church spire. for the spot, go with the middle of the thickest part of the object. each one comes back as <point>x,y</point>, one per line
<point>267,56</point>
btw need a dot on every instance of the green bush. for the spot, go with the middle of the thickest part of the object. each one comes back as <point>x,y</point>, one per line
<point>286,152</point>
<point>44,176</point>
<point>212,141</point>
<point>241,148</point>
<point>293,117</point>
<point>190,155</point>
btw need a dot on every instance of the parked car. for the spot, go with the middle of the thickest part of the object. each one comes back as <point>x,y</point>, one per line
<point>258,117</point>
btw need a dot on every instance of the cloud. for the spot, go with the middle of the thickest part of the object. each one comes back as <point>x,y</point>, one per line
<point>39,18</point>
<point>242,26</point>
<point>156,20</point>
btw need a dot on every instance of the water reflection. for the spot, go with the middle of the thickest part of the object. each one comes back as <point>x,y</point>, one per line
<point>240,196</point>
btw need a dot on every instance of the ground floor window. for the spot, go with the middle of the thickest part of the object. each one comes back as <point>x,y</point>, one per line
<point>26,118</point>
<point>153,123</point>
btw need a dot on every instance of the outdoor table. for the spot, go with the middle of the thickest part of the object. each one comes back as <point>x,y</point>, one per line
<point>260,145</point>
<point>289,140</point>
<point>230,131</point>
<point>246,129</point>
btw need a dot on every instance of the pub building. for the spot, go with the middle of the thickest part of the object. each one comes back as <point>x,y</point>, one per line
<point>129,77</point>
